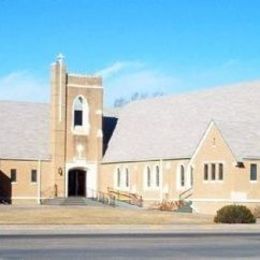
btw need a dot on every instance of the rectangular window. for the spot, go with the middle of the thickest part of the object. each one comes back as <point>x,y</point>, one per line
<point>213,171</point>
<point>253,172</point>
<point>13,175</point>
<point>206,172</point>
<point>220,171</point>
<point>34,176</point>
<point>78,118</point>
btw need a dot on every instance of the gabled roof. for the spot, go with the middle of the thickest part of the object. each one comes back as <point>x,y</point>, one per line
<point>165,127</point>
<point>172,127</point>
<point>24,130</point>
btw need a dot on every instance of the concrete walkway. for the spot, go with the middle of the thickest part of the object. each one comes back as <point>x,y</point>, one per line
<point>128,229</point>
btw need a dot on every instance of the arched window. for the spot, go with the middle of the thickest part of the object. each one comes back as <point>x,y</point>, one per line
<point>157,176</point>
<point>148,176</point>
<point>126,177</point>
<point>118,177</point>
<point>80,113</point>
<point>182,179</point>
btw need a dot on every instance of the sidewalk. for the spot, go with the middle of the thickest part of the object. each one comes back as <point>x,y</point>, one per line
<point>128,229</point>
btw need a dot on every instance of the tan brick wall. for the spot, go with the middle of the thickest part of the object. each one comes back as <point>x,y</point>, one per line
<point>92,143</point>
<point>209,196</point>
<point>24,190</point>
<point>166,190</point>
<point>63,140</point>
<point>58,122</point>
<point>214,150</point>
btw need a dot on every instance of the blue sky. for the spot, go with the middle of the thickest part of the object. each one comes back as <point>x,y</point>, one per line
<point>136,45</point>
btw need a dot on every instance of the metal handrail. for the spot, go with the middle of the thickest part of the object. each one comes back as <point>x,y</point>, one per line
<point>181,195</point>
<point>101,196</point>
<point>125,196</point>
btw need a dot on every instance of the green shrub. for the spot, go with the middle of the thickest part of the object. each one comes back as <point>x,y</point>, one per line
<point>234,214</point>
<point>256,212</point>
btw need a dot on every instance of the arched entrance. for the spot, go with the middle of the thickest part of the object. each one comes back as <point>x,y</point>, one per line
<point>77,182</point>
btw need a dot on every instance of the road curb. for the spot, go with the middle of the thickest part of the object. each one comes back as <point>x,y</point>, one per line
<point>111,230</point>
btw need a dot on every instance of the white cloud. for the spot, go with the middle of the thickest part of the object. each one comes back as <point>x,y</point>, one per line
<point>123,79</point>
<point>117,67</point>
<point>23,86</point>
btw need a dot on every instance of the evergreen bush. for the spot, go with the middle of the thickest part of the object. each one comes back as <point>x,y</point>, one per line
<point>234,214</point>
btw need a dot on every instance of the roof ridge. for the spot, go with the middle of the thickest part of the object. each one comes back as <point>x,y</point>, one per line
<point>201,91</point>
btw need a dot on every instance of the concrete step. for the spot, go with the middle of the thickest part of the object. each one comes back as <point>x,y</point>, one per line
<point>66,201</point>
<point>74,201</point>
<point>82,201</point>
<point>71,201</point>
<point>186,208</point>
<point>53,201</point>
<point>125,205</point>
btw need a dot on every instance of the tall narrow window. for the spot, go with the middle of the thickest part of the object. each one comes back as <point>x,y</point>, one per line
<point>182,176</point>
<point>253,172</point>
<point>34,176</point>
<point>13,175</point>
<point>220,171</point>
<point>118,178</point>
<point>213,171</point>
<point>80,115</point>
<point>148,177</point>
<point>78,112</point>
<point>157,176</point>
<point>206,172</point>
<point>126,177</point>
<point>191,176</point>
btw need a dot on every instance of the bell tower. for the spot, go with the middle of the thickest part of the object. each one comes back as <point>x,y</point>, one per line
<point>76,130</point>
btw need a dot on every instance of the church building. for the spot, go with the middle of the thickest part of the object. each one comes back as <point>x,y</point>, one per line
<point>202,147</point>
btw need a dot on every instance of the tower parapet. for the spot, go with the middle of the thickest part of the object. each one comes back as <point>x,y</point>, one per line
<point>76,122</point>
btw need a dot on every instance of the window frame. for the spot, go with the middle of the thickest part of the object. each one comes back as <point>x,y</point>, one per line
<point>210,165</point>
<point>126,177</point>
<point>78,116</point>
<point>206,172</point>
<point>191,176</point>
<point>157,176</point>
<point>13,172</point>
<point>148,177</point>
<point>220,171</point>
<point>213,171</point>
<point>118,177</point>
<point>182,176</point>
<point>84,127</point>
<point>250,176</point>
<point>34,171</point>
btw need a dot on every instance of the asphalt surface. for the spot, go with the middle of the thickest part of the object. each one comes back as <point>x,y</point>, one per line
<point>131,246</point>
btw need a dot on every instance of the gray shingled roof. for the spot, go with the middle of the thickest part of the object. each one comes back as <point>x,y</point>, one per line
<point>24,130</point>
<point>166,127</point>
<point>112,112</point>
<point>172,127</point>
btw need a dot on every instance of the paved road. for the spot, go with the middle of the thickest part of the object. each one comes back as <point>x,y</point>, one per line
<point>133,246</point>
